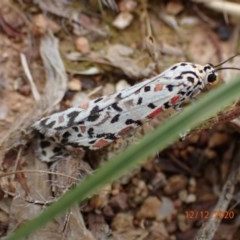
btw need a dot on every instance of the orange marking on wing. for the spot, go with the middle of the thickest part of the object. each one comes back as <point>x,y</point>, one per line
<point>124,131</point>
<point>158,87</point>
<point>84,105</point>
<point>100,143</point>
<point>175,99</point>
<point>155,113</point>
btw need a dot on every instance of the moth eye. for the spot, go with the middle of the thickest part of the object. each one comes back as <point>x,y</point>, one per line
<point>212,77</point>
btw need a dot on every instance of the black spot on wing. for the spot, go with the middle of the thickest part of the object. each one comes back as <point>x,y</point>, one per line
<point>98,99</point>
<point>147,88</point>
<point>139,102</point>
<point>115,118</point>
<point>75,129</point>
<point>190,79</point>
<point>174,67</point>
<point>116,107</point>
<point>183,64</point>
<point>93,117</point>
<point>57,149</point>
<point>131,121</point>
<point>44,144</point>
<point>72,116</point>
<point>94,114</point>
<point>169,87</point>
<point>167,105</point>
<point>49,125</point>
<point>151,105</point>
<point>66,135</point>
<point>90,132</point>
<point>180,77</point>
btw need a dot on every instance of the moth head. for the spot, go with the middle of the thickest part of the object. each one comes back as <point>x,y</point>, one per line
<point>211,70</point>
<point>211,76</point>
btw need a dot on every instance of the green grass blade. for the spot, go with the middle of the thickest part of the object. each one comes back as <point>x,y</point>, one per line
<point>165,134</point>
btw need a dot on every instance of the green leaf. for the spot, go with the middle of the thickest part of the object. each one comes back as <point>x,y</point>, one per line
<point>164,135</point>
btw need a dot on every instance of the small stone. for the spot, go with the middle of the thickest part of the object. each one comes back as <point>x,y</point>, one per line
<point>74,85</point>
<point>127,5</point>
<point>3,112</point>
<point>108,89</point>
<point>80,98</point>
<point>210,154</point>
<point>218,139</point>
<point>119,201</point>
<point>182,224</point>
<point>174,7</point>
<point>122,84</point>
<point>192,182</point>
<point>175,184</point>
<point>122,221</point>
<point>123,20</point>
<point>150,208</point>
<point>158,231</point>
<point>41,23</point>
<point>82,45</point>
<point>191,198</point>
<point>183,195</point>
<point>25,90</point>
<point>167,208</point>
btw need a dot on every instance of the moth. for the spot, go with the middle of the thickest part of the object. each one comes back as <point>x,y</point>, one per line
<point>99,122</point>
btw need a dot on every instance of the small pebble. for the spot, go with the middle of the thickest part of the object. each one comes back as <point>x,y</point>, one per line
<point>127,5</point>
<point>174,7</point>
<point>3,112</point>
<point>41,23</point>
<point>74,85</point>
<point>82,45</point>
<point>122,84</point>
<point>150,208</point>
<point>167,208</point>
<point>175,184</point>
<point>108,89</point>
<point>122,221</point>
<point>191,198</point>
<point>218,139</point>
<point>25,90</point>
<point>123,20</point>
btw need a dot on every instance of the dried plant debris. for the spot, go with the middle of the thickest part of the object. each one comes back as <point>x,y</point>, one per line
<point>56,85</point>
<point>94,54</point>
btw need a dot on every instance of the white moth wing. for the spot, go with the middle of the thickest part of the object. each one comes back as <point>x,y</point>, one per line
<point>138,112</point>
<point>59,122</point>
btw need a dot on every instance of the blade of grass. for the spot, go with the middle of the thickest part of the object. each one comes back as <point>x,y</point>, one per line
<point>193,115</point>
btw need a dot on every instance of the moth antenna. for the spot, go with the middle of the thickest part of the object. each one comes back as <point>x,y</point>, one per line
<point>224,68</point>
<point>229,59</point>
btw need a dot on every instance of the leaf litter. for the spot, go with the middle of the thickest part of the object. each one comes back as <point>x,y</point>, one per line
<point>112,55</point>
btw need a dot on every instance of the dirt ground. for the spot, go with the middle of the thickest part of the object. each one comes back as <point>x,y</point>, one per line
<point>184,192</point>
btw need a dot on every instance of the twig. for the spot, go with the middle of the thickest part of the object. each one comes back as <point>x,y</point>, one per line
<point>35,92</point>
<point>208,229</point>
